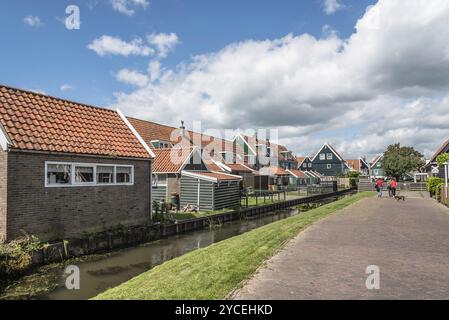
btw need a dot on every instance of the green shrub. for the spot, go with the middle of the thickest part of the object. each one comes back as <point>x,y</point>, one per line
<point>433,185</point>
<point>438,190</point>
<point>16,256</point>
<point>442,159</point>
<point>353,178</point>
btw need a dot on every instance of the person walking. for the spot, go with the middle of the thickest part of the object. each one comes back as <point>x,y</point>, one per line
<point>379,186</point>
<point>394,186</point>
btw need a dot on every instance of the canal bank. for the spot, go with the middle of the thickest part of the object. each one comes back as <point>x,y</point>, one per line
<point>99,273</point>
<point>213,272</point>
<point>121,237</point>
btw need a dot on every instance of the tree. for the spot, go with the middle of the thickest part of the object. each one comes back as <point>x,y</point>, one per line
<point>399,160</point>
<point>442,159</point>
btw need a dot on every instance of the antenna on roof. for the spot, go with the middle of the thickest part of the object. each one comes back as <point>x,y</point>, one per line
<point>182,125</point>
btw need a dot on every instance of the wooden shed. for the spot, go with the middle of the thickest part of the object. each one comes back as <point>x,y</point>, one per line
<point>298,179</point>
<point>210,191</point>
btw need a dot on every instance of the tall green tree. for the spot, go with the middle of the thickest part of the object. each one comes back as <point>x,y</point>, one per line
<point>400,160</point>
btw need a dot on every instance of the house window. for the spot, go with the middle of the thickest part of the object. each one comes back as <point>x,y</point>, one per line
<point>86,174</point>
<point>105,174</point>
<point>159,180</point>
<point>59,174</point>
<point>158,144</point>
<point>376,172</point>
<point>329,166</point>
<point>310,165</point>
<point>123,174</point>
<point>304,165</point>
<point>329,156</point>
<point>322,156</point>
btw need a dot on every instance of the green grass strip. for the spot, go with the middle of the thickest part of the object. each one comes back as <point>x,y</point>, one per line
<point>214,271</point>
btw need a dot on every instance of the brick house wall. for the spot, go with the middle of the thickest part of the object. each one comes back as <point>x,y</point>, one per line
<point>64,212</point>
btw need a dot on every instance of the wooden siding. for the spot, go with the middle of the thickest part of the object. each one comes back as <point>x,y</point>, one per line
<point>158,193</point>
<point>189,193</point>
<point>337,166</point>
<point>226,195</point>
<point>213,196</point>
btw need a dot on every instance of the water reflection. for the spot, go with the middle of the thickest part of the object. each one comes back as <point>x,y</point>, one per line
<point>98,276</point>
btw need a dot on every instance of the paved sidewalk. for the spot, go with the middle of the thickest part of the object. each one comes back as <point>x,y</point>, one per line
<point>409,241</point>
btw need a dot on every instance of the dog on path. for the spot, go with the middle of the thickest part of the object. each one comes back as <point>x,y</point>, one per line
<point>399,198</point>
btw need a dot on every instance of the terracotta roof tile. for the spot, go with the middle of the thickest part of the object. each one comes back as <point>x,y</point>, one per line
<point>354,164</point>
<point>170,160</point>
<point>297,173</point>
<point>273,171</point>
<point>237,167</point>
<point>37,122</point>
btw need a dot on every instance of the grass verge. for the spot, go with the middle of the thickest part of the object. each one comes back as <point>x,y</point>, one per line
<point>212,272</point>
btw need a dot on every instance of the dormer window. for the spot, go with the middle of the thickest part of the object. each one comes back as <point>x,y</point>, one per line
<point>160,144</point>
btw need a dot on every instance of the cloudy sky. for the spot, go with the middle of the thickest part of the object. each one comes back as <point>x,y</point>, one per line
<point>358,74</point>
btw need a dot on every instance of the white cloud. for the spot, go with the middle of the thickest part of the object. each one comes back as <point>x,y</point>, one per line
<point>127,7</point>
<point>65,87</point>
<point>154,69</point>
<point>164,42</point>
<point>132,77</point>
<point>387,82</point>
<point>332,6</point>
<point>33,21</point>
<point>106,45</point>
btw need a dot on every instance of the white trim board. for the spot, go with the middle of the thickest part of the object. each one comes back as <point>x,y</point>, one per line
<point>211,179</point>
<point>136,134</point>
<point>331,149</point>
<point>4,139</point>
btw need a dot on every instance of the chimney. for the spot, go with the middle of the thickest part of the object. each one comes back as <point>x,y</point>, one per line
<point>183,128</point>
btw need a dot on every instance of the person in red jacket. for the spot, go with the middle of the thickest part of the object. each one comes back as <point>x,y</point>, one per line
<point>379,187</point>
<point>393,186</point>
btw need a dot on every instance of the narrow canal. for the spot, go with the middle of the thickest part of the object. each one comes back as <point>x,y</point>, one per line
<point>103,273</point>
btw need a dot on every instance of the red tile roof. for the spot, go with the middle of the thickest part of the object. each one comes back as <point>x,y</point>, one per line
<point>273,171</point>
<point>150,131</point>
<point>297,173</point>
<point>214,167</point>
<point>170,160</point>
<point>354,164</point>
<point>238,167</point>
<point>38,122</point>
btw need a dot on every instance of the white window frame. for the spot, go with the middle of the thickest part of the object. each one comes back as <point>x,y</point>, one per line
<point>310,164</point>
<point>329,156</point>
<point>158,184</point>
<point>73,184</point>
<point>165,144</point>
<point>329,166</point>
<point>322,156</point>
